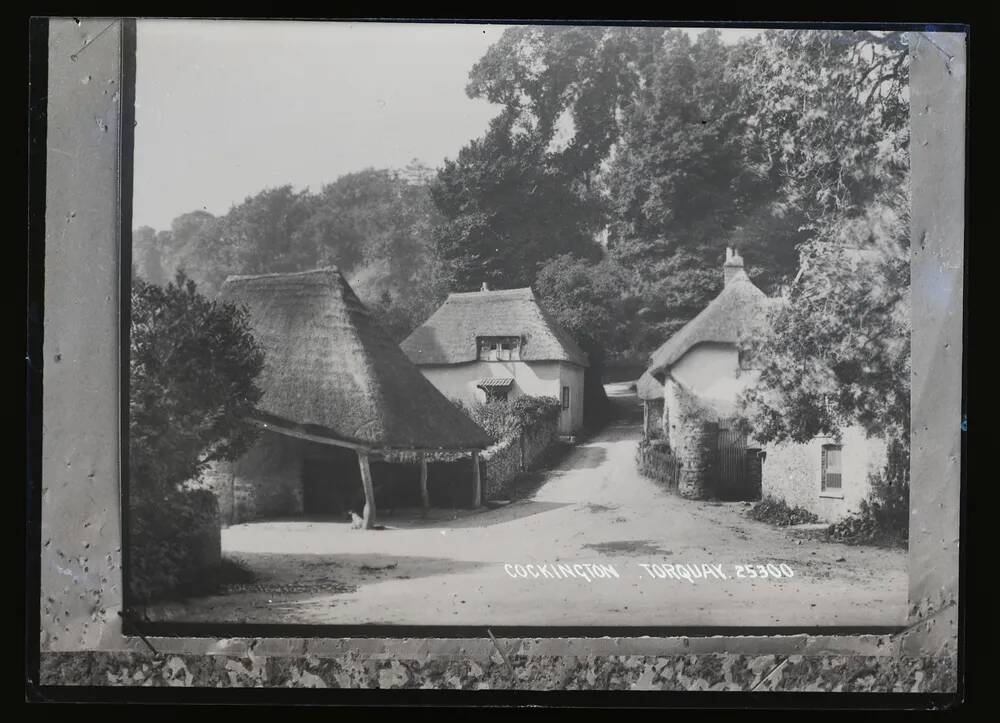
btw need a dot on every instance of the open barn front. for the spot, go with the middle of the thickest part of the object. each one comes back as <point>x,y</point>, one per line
<point>332,486</point>
<point>331,481</point>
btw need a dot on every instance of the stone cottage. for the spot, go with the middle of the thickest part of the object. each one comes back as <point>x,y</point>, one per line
<point>497,345</point>
<point>702,370</point>
<point>343,408</point>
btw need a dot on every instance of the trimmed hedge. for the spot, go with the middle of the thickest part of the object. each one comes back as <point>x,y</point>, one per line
<point>504,420</point>
<point>172,542</point>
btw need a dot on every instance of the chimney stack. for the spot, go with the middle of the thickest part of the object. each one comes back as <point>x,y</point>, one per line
<point>733,265</point>
<point>485,287</point>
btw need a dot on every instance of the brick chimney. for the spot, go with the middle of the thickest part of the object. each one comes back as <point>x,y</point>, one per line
<point>733,265</point>
<point>486,287</point>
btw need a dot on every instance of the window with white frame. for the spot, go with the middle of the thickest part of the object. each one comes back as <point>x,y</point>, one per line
<point>499,348</point>
<point>831,479</point>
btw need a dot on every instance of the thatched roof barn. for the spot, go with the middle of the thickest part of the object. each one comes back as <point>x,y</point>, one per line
<point>331,375</point>
<point>331,371</point>
<point>449,335</point>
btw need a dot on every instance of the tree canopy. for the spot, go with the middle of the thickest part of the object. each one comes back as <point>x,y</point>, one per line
<point>832,116</point>
<point>193,368</point>
<point>636,154</point>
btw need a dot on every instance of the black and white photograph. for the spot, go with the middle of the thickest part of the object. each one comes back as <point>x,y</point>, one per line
<point>493,355</point>
<point>525,325</point>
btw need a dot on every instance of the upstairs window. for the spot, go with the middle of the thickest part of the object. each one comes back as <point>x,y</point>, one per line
<point>830,474</point>
<point>499,348</point>
<point>565,397</point>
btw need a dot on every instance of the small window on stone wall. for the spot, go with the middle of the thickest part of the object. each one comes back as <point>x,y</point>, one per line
<point>830,476</point>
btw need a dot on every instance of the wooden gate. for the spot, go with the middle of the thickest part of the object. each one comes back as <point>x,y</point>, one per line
<point>731,464</point>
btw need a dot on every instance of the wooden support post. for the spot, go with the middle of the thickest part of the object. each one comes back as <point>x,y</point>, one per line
<point>425,498</point>
<point>645,419</point>
<point>366,482</point>
<point>477,485</point>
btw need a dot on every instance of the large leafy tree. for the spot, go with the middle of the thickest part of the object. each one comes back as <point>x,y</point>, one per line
<point>832,117</point>
<point>839,350</point>
<point>680,188</point>
<point>524,193</point>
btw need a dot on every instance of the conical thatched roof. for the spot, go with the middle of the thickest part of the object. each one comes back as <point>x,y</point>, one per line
<point>740,309</point>
<point>331,371</point>
<point>449,335</point>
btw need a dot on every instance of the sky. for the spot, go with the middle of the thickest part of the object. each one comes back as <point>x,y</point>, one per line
<point>225,109</point>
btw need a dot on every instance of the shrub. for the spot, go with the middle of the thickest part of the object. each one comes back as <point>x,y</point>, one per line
<point>654,459</point>
<point>168,542</point>
<point>778,512</point>
<point>504,420</point>
<point>193,368</point>
<point>883,518</point>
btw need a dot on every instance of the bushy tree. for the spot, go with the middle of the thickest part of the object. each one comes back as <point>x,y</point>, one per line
<point>839,350</point>
<point>193,365</point>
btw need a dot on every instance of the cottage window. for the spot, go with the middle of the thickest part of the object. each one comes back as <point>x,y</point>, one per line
<point>499,348</point>
<point>830,476</point>
<point>565,397</point>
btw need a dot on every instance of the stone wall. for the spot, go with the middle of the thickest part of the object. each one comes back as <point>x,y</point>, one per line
<point>791,472</point>
<point>692,431</point>
<point>505,461</point>
<point>264,482</point>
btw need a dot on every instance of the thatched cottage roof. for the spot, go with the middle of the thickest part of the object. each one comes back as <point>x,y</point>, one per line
<point>331,371</point>
<point>647,387</point>
<point>738,310</point>
<point>449,335</point>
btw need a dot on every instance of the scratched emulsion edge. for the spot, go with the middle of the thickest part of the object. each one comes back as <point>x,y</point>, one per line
<point>937,162</point>
<point>80,534</point>
<point>80,638</point>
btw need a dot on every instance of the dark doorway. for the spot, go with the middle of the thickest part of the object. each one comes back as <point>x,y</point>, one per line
<point>320,496</point>
<point>331,481</point>
<point>734,482</point>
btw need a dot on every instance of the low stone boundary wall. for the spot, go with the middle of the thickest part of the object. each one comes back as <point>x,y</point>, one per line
<point>505,461</point>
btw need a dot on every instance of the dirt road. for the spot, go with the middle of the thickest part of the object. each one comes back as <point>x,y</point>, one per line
<point>593,508</point>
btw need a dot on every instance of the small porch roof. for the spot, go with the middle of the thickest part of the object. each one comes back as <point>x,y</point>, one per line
<point>496,383</point>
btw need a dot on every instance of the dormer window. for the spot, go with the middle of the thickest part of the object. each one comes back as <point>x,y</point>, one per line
<point>499,348</point>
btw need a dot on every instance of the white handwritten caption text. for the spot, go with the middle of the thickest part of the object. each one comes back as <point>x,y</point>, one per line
<point>691,572</point>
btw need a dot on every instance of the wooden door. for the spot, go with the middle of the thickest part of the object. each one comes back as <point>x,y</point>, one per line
<point>733,481</point>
